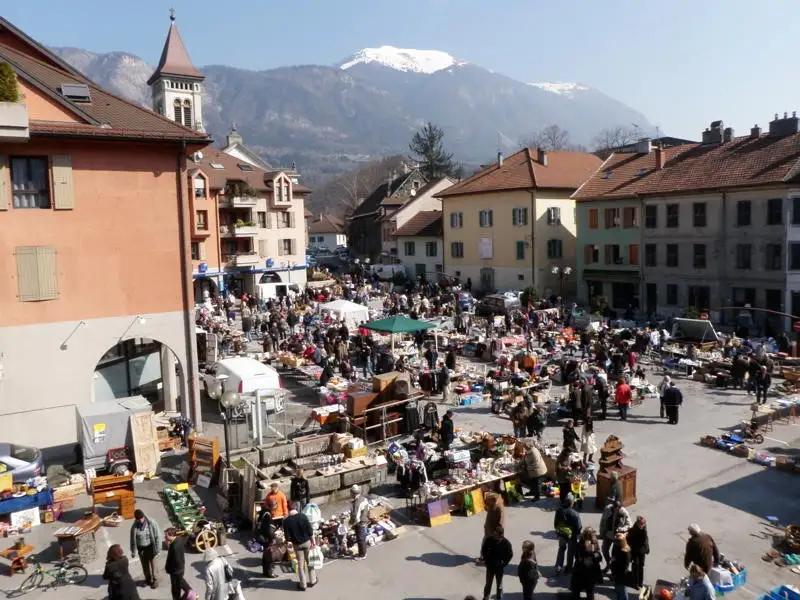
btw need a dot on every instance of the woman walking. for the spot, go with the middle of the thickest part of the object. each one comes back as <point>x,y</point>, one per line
<point>528,570</point>
<point>495,517</point>
<point>215,577</point>
<point>497,553</point>
<point>620,561</point>
<point>639,542</point>
<point>120,582</point>
<point>586,572</point>
<point>588,441</point>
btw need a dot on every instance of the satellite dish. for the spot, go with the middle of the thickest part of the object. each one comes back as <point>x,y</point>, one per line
<point>270,263</point>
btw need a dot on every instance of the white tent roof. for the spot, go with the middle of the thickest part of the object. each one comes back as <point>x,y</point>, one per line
<point>344,307</point>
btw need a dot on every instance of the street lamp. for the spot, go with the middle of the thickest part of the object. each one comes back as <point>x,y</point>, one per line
<point>228,400</point>
<point>561,273</point>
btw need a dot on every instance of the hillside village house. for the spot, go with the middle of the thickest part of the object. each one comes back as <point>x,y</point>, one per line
<point>248,218</point>
<point>249,226</point>
<point>719,222</point>
<point>327,231</point>
<point>512,224</point>
<point>420,246</point>
<point>96,221</point>
<point>371,229</point>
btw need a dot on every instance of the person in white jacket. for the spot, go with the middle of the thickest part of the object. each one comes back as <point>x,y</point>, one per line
<point>663,387</point>
<point>216,586</point>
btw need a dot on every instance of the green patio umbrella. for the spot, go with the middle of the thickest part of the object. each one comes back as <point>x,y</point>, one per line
<point>398,324</point>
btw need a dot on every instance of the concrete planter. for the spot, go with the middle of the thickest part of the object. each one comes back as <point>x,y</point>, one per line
<point>277,453</point>
<point>14,126</point>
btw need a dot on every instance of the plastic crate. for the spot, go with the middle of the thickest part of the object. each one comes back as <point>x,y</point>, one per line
<point>739,579</point>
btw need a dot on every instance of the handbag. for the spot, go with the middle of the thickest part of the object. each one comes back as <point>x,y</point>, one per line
<point>228,571</point>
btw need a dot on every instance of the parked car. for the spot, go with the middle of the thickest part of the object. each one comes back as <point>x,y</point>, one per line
<point>246,376</point>
<point>23,462</point>
<point>497,304</point>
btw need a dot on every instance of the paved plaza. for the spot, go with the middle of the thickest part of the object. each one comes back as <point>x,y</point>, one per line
<point>679,482</point>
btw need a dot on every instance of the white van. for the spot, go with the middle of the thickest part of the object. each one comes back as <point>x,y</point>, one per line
<point>268,290</point>
<point>248,377</point>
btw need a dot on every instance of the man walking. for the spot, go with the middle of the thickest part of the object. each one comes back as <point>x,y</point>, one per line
<point>762,382</point>
<point>359,519</point>
<point>299,532</point>
<point>673,398</point>
<point>623,397</point>
<point>568,526</point>
<point>176,562</point>
<point>497,552</point>
<point>146,541</point>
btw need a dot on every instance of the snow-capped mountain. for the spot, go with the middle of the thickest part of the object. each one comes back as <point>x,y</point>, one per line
<point>403,59</point>
<point>561,88</point>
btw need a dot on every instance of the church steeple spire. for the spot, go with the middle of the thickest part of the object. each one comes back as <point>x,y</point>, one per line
<point>174,57</point>
<point>176,83</point>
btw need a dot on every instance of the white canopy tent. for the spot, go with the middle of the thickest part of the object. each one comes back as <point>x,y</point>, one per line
<point>351,313</point>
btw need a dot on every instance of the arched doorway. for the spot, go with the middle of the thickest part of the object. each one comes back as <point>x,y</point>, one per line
<point>140,367</point>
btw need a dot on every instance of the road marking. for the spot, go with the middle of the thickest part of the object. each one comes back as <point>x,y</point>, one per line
<point>774,440</point>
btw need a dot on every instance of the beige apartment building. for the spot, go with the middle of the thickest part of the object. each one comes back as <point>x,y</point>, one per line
<point>512,225</point>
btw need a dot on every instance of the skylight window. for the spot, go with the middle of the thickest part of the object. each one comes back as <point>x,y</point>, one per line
<point>245,167</point>
<point>77,92</point>
<point>641,172</point>
<point>215,165</point>
<point>607,174</point>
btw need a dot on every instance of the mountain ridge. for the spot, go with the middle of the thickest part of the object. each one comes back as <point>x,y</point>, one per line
<point>328,119</point>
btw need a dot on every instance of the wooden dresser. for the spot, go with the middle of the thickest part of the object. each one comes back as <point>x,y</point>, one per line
<point>627,475</point>
<point>115,489</point>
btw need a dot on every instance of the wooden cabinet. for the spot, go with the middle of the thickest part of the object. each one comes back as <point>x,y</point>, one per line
<point>358,402</point>
<point>627,477</point>
<point>203,455</point>
<point>116,489</point>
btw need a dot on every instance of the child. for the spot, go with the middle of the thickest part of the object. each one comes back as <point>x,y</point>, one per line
<point>528,570</point>
<point>588,441</point>
<point>578,490</point>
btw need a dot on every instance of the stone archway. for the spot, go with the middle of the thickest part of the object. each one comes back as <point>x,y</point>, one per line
<point>141,367</point>
<point>205,286</point>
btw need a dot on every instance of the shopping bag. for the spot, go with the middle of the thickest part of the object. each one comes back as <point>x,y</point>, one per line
<point>315,558</point>
<point>313,513</point>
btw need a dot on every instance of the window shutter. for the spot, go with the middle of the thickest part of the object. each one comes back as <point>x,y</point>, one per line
<point>269,220</point>
<point>262,248</point>
<point>291,219</point>
<point>608,253</point>
<point>587,254</point>
<point>490,217</point>
<point>63,194</point>
<point>37,275</point>
<point>633,254</point>
<point>201,247</point>
<point>5,184</point>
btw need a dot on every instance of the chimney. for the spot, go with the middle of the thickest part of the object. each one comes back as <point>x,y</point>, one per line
<point>755,132</point>
<point>727,135</point>
<point>644,146</point>
<point>659,157</point>
<point>713,134</point>
<point>785,126</point>
<point>541,156</point>
<point>389,181</point>
<point>406,169</point>
<point>499,159</point>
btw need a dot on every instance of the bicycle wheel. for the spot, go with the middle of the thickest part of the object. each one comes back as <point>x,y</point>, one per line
<point>31,582</point>
<point>75,574</point>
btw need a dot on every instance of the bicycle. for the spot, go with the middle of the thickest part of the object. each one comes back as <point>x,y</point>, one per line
<point>65,573</point>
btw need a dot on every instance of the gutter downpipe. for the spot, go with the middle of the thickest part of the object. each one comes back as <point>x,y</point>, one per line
<point>724,251</point>
<point>191,405</point>
<point>533,243</point>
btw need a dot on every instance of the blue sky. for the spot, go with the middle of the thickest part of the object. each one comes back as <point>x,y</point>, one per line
<point>683,63</point>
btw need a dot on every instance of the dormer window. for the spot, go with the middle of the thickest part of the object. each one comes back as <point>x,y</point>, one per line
<point>199,187</point>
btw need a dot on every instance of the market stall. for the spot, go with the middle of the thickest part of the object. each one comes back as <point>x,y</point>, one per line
<point>351,313</point>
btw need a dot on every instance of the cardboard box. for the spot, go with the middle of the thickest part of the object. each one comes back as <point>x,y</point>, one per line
<point>340,442</point>
<point>351,452</point>
<point>68,491</point>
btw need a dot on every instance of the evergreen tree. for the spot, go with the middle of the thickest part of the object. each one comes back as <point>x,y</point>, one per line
<point>9,92</point>
<point>427,148</point>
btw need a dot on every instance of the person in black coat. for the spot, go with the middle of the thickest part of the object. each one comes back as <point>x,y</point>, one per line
<point>266,537</point>
<point>120,582</point>
<point>176,562</point>
<point>587,573</point>
<point>673,398</point>
<point>496,552</point>
<point>299,490</point>
<point>639,542</point>
<point>763,381</point>
<point>572,440</point>
<point>447,430</point>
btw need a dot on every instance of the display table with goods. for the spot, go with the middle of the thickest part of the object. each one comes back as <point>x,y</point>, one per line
<point>81,536</point>
<point>187,513</point>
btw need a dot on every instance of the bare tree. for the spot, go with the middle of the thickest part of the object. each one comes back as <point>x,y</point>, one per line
<point>551,137</point>
<point>613,137</point>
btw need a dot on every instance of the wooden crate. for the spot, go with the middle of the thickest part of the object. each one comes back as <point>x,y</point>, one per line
<point>68,491</point>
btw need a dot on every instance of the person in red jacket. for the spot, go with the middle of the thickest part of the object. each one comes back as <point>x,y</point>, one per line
<point>623,398</point>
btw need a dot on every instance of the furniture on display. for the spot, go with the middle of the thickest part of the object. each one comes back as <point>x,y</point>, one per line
<point>611,456</point>
<point>203,455</point>
<point>115,489</point>
<point>17,555</point>
<point>78,535</point>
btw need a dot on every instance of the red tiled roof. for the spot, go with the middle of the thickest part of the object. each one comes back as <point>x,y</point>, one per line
<point>174,58</point>
<point>256,178</point>
<point>521,171</point>
<point>327,224</point>
<point>105,116</point>
<point>427,223</point>
<point>742,162</point>
<point>625,174</point>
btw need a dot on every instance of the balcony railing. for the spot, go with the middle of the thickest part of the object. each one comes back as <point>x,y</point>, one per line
<point>242,259</point>
<point>229,231</point>
<point>238,201</point>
